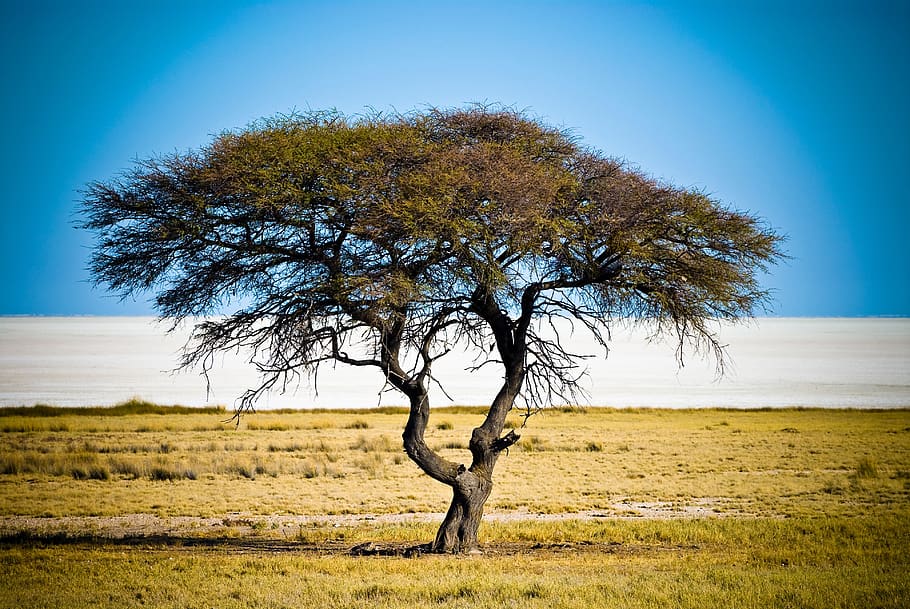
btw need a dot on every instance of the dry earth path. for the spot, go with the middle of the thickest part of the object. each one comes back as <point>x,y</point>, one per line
<point>245,525</point>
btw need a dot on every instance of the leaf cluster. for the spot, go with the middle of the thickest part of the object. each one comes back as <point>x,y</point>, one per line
<point>366,239</point>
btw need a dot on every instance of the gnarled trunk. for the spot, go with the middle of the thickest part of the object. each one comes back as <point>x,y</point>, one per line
<point>458,532</point>
<point>471,487</point>
<point>470,491</point>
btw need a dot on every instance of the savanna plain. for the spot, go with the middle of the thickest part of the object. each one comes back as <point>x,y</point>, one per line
<point>149,506</point>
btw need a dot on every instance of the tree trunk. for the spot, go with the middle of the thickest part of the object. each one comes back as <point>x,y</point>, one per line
<point>458,532</point>
<point>471,486</point>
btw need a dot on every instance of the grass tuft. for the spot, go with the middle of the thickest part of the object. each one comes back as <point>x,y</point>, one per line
<point>867,469</point>
<point>273,426</point>
<point>94,472</point>
<point>535,444</point>
<point>376,444</point>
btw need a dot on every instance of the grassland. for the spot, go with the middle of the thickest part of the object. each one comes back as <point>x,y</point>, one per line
<point>152,506</point>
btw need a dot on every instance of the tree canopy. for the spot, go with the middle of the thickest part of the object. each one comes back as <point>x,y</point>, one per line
<point>387,240</point>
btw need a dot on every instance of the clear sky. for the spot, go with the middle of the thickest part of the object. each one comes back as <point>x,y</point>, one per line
<point>798,111</point>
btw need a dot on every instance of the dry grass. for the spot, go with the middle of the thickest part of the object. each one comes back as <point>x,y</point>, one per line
<point>762,463</point>
<point>752,563</point>
<point>819,500</point>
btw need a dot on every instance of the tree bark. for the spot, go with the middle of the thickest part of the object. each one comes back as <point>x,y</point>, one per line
<point>458,532</point>
<point>432,464</point>
<point>472,487</point>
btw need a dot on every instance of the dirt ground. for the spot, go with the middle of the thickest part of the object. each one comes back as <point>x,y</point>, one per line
<point>262,532</point>
<point>240,534</point>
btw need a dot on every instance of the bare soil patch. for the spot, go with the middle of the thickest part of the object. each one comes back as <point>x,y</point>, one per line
<point>238,533</point>
<point>172,544</point>
<point>244,525</point>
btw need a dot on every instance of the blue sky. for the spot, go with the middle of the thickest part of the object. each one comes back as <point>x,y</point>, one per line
<point>797,111</point>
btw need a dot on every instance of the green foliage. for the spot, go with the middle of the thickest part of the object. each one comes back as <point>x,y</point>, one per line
<point>386,240</point>
<point>413,230</point>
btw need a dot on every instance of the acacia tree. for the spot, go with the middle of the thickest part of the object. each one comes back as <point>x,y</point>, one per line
<point>384,241</point>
